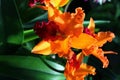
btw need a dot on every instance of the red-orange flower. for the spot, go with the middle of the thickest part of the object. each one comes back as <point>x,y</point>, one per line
<point>63,31</point>
<point>69,23</point>
<point>57,33</point>
<point>90,42</point>
<point>76,70</point>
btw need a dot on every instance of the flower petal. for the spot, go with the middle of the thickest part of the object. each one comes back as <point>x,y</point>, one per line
<point>82,41</point>
<point>98,53</point>
<point>63,2</point>
<point>85,70</point>
<point>42,48</point>
<point>72,73</point>
<point>58,3</point>
<point>61,47</point>
<point>91,25</point>
<point>55,3</point>
<point>103,37</point>
<point>70,24</point>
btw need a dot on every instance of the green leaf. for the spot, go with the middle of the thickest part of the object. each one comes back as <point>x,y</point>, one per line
<point>27,13</point>
<point>43,17</point>
<point>29,35</point>
<point>27,68</point>
<point>11,22</point>
<point>54,65</point>
<point>97,22</point>
<point>117,15</point>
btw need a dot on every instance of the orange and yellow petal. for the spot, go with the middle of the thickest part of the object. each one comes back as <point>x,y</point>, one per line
<point>82,41</point>
<point>69,23</point>
<point>78,74</point>
<point>91,26</point>
<point>61,47</point>
<point>103,37</point>
<point>42,47</point>
<point>63,2</point>
<point>58,3</point>
<point>98,53</point>
<point>85,70</point>
<point>76,70</point>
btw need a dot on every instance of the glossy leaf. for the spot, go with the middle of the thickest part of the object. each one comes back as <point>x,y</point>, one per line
<point>99,22</point>
<point>54,65</point>
<point>29,35</point>
<point>27,13</point>
<point>28,68</point>
<point>117,10</point>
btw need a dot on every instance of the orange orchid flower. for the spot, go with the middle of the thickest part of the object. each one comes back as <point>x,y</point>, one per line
<point>57,33</point>
<point>76,70</point>
<point>90,43</point>
<point>55,3</point>
<point>65,30</point>
<point>69,23</point>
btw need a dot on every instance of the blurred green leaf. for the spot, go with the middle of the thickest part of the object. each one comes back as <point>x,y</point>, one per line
<point>27,68</point>
<point>27,13</point>
<point>117,10</point>
<point>105,11</point>
<point>11,22</point>
<point>29,35</point>
<point>97,22</point>
<point>118,77</point>
<point>42,17</point>
<point>54,65</point>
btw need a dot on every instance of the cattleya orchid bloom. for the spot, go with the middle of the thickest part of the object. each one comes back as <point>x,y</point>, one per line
<point>56,32</point>
<point>55,3</point>
<point>64,31</point>
<point>92,42</point>
<point>76,70</point>
<point>69,23</point>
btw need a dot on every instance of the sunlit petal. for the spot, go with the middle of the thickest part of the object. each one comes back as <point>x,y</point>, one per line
<point>85,70</point>
<point>69,23</point>
<point>98,53</point>
<point>82,41</point>
<point>58,3</point>
<point>42,47</point>
<point>63,2</point>
<point>91,25</point>
<point>103,37</point>
<point>61,47</point>
<point>77,73</point>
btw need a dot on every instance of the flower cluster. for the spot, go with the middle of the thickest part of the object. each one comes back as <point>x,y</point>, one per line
<point>64,31</point>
